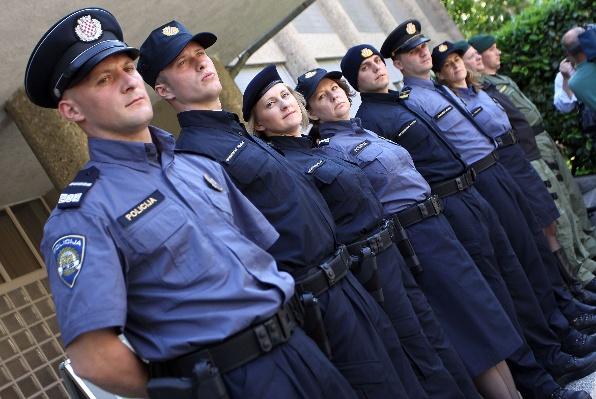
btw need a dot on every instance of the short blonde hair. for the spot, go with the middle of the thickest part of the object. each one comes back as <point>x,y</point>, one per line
<point>252,121</point>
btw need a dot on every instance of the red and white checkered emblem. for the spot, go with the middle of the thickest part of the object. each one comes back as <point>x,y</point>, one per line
<point>88,29</point>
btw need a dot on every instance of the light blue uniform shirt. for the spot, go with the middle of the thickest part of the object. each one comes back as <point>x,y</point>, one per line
<point>490,115</point>
<point>388,166</point>
<point>469,141</point>
<point>162,247</point>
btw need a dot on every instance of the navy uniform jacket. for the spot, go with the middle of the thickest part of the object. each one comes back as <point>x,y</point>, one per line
<point>353,203</point>
<point>161,247</point>
<point>290,201</point>
<point>433,155</point>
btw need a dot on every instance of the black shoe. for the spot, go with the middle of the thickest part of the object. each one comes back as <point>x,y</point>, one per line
<point>586,323</point>
<point>579,344</point>
<point>574,369</point>
<point>591,286</point>
<point>562,393</point>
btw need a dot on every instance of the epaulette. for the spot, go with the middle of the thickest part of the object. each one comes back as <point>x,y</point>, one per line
<point>404,94</point>
<point>73,194</point>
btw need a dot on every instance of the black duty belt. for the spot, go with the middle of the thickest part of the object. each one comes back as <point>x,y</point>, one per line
<point>460,183</point>
<point>327,274</point>
<point>506,139</point>
<point>432,206</point>
<point>376,242</point>
<point>236,350</point>
<point>539,128</point>
<point>485,163</point>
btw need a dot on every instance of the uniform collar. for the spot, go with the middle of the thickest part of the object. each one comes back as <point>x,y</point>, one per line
<point>221,120</point>
<point>390,97</point>
<point>290,142</point>
<point>468,91</point>
<point>413,81</point>
<point>130,153</point>
<point>330,129</point>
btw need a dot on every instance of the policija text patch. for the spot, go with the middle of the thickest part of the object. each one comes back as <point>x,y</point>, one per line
<point>141,209</point>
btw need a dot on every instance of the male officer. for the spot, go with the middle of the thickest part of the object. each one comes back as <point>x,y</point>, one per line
<point>486,46</point>
<point>406,45</point>
<point>383,111</point>
<point>574,255</point>
<point>583,81</point>
<point>174,62</point>
<point>161,247</point>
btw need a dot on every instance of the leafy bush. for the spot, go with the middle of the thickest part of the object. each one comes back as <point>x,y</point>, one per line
<point>531,46</point>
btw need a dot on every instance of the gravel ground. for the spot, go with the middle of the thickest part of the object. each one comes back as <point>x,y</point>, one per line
<point>588,384</point>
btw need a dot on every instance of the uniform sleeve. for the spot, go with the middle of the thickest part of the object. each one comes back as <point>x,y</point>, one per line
<point>85,274</point>
<point>249,220</point>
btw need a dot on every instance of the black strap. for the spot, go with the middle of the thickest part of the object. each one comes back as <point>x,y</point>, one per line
<point>376,242</point>
<point>485,163</point>
<point>432,206</point>
<point>539,128</point>
<point>506,139</point>
<point>320,278</point>
<point>235,351</point>
<point>455,185</point>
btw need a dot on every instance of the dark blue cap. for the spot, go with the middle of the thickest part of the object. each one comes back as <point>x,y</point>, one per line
<point>350,64</point>
<point>164,44</point>
<point>257,87</point>
<point>403,38</point>
<point>309,81</point>
<point>69,50</point>
<point>441,52</point>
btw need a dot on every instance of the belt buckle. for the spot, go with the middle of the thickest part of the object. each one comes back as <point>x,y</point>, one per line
<point>472,174</point>
<point>437,204</point>
<point>459,183</point>
<point>328,272</point>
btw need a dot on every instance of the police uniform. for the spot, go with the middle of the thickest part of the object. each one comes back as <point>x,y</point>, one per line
<point>358,215</point>
<point>144,238</point>
<point>357,329</point>
<point>497,187</point>
<point>474,222</point>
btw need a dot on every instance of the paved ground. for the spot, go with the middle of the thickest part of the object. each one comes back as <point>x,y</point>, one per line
<point>588,384</point>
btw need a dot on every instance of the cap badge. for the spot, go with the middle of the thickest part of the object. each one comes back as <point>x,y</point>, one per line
<point>170,30</point>
<point>366,52</point>
<point>410,28</point>
<point>310,74</point>
<point>443,48</point>
<point>88,29</point>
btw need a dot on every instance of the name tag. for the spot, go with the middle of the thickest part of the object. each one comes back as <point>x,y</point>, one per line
<point>314,167</point>
<point>141,209</point>
<point>443,112</point>
<point>234,152</point>
<point>476,111</point>
<point>360,147</point>
<point>405,128</point>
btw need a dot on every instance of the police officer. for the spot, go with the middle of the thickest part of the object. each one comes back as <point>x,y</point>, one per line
<point>407,47</point>
<point>487,47</point>
<point>149,243</point>
<point>274,112</point>
<point>455,289</point>
<point>174,62</point>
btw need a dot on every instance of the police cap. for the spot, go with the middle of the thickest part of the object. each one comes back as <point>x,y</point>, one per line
<point>403,38</point>
<point>482,42</point>
<point>309,81</point>
<point>258,86</point>
<point>441,52</point>
<point>463,45</point>
<point>69,50</point>
<point>164,44</point>
<point>350,63</point>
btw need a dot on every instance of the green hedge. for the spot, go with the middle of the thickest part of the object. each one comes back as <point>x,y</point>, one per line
<point>531,46</point>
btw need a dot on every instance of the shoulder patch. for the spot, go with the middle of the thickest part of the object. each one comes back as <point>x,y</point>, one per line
<point>323,142</point>
<point>405,128</point>
<point>443,112</point>
<point>235,151</point>
<point>502,88</point>
<point>141,209</point>
<point>69,253</point>
<point>404,93</point>
<point>212,183</point>
<point>359,147</point>
<point>73,194</point>
<point>476,111</point>
<point>315,166</point>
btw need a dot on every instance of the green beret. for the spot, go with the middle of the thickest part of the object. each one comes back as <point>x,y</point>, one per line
<point>482,42</point>
<point>462,45</point>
